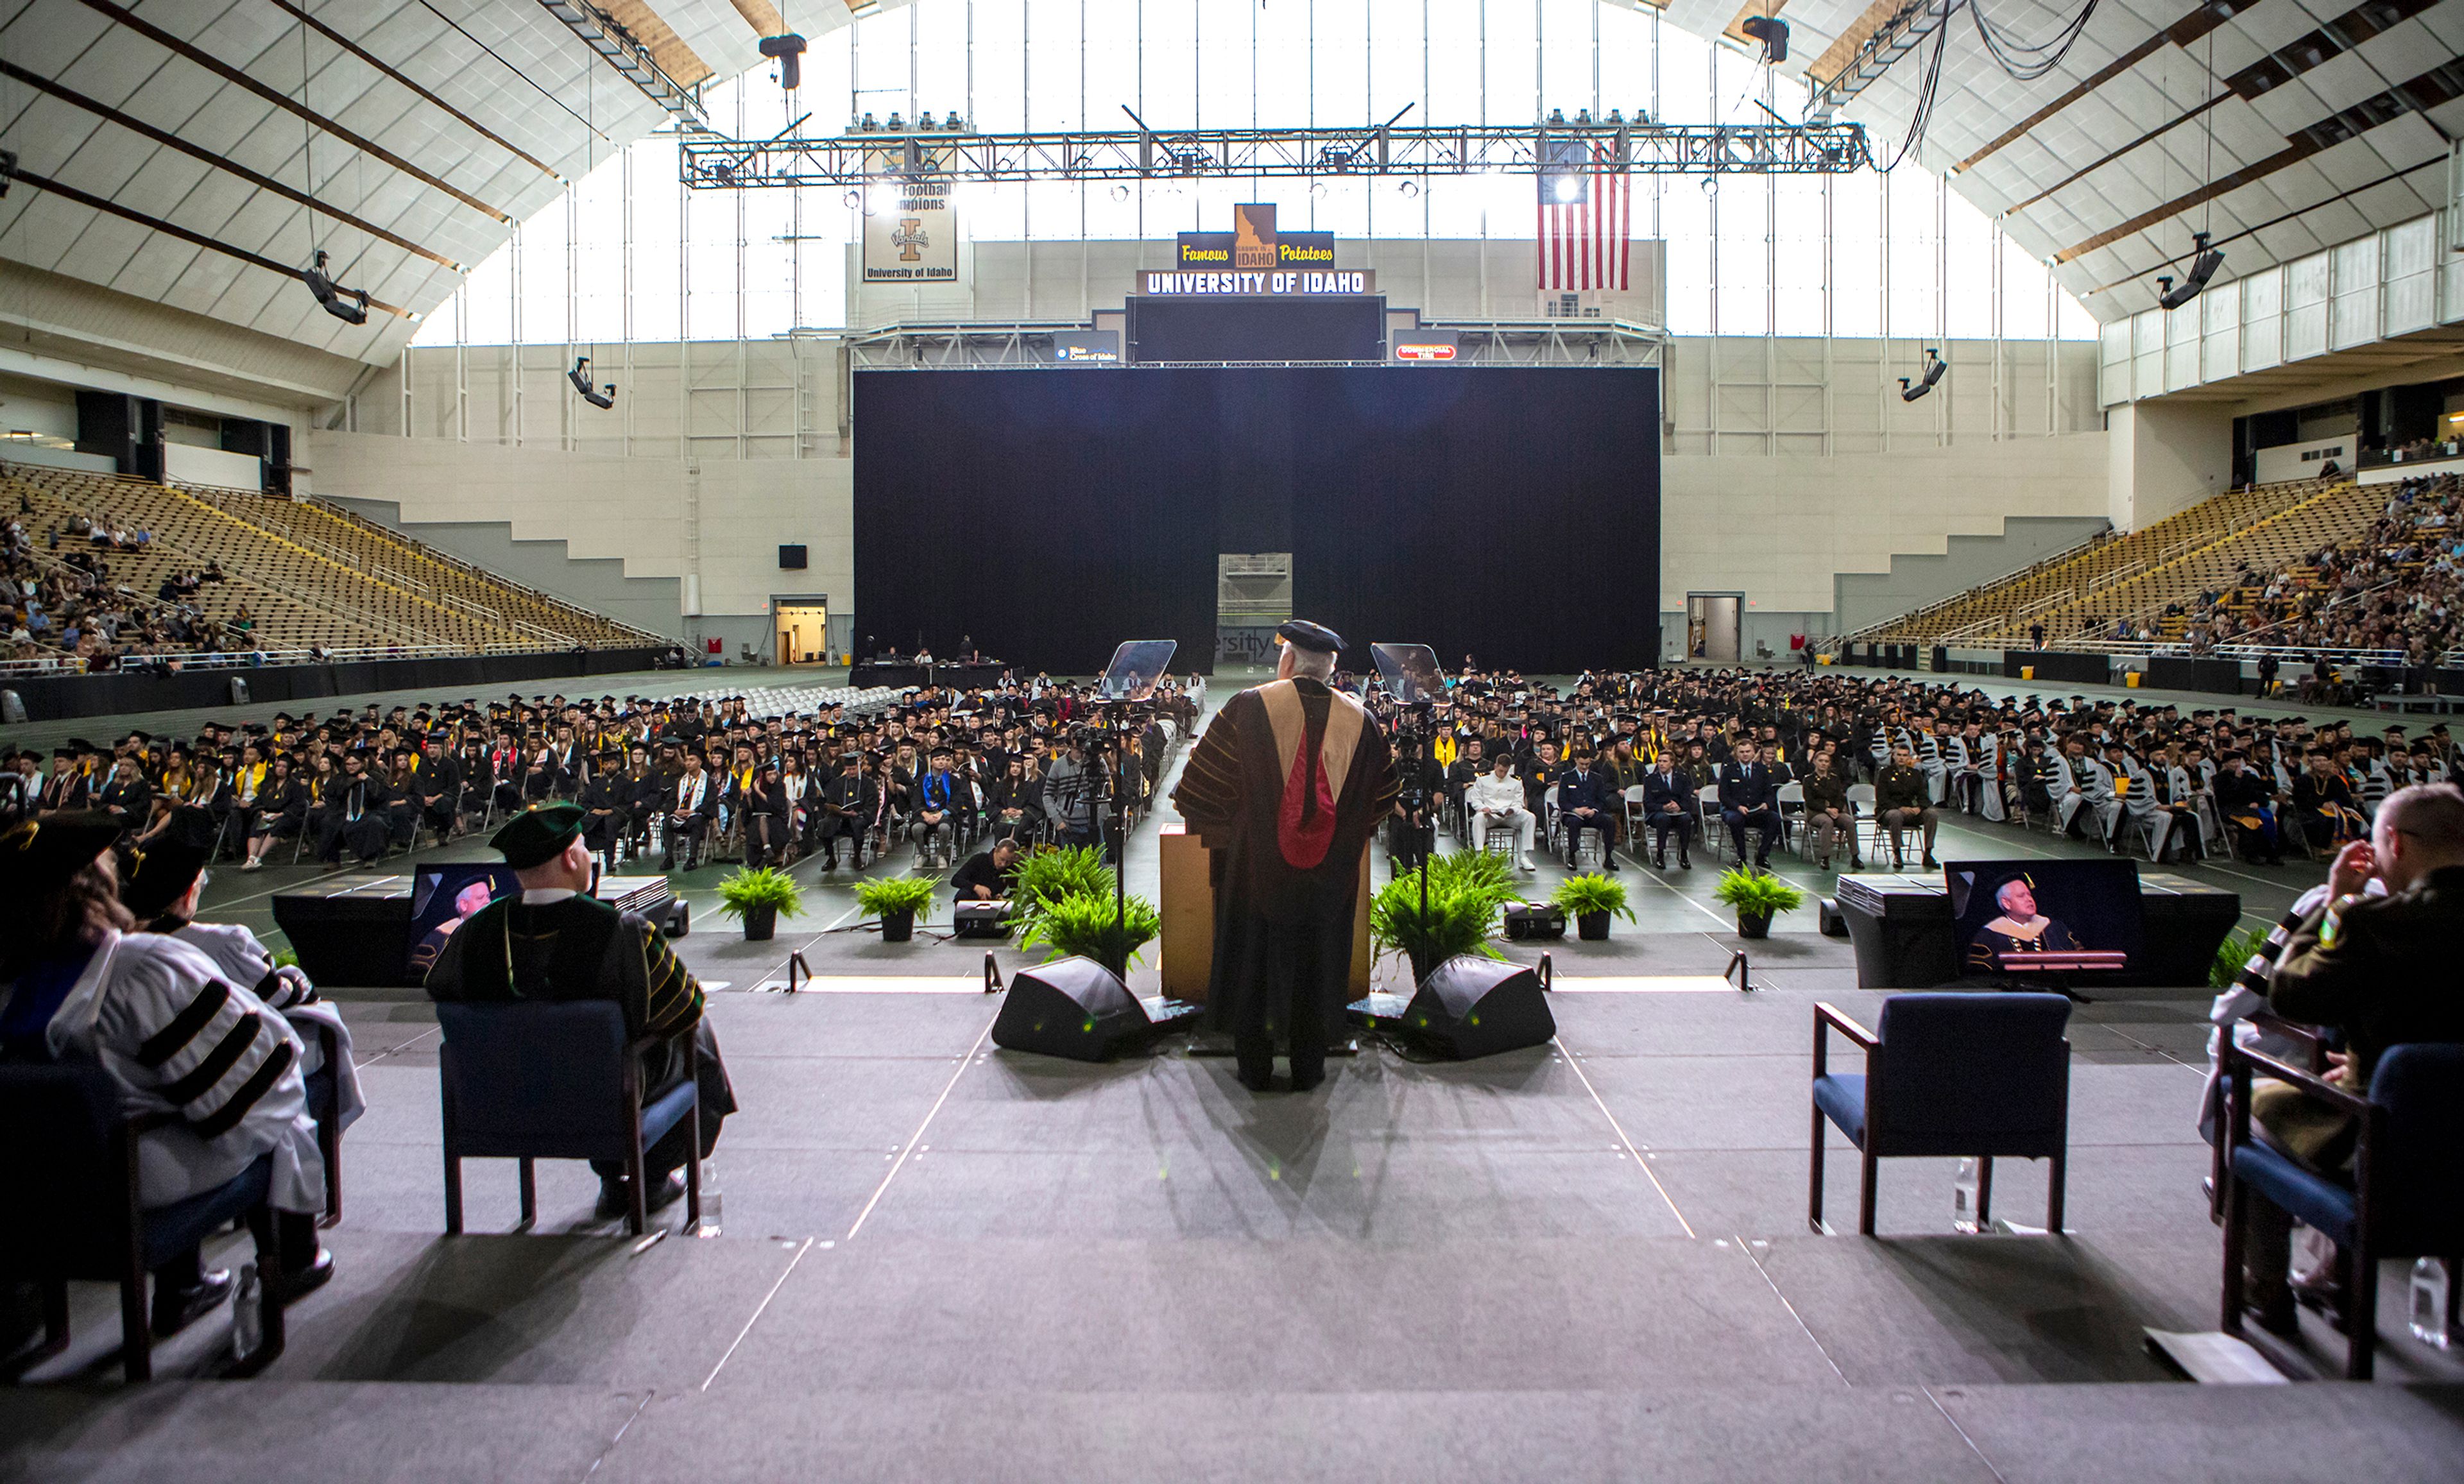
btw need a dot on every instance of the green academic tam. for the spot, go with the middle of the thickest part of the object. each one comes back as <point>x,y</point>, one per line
<point>534,836</point>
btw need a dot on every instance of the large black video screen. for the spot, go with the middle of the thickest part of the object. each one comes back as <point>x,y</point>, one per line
<point>1508,513</point>
<point>1258,327</point>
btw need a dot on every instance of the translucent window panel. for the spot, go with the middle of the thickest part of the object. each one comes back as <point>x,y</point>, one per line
<point>1969,250</point>
<point>880,56</point>
<point>2306,281</point>
<point>1743,256</point>
<point>1567,77</point>
<point>2116,339</point>
<point>1054,79</point>
<point>1685,220</point>
<point>1915,308</point>
<point>1110,64</point>
<point>1684,77</point>
<point>1339,62</point>
<point>1856,254</point>
<point>2412,247</point>
<point>2263,342</point>
<point>2219,309</point>
<point>1512,88</point>
<point>2220,354</point>
<point>1001,65</point>
<point>1228,96</point>
<point>1625,59</point>
<point>2357,265</point>
<point>1454,61</point>
<point>2026,300</point>
<point>769,262</point>
<point>545,300</point>
<point>2305,331</point>
<point>2263,295</point>
<point>2148,331</point>
<point>1800,265</point>
<point>941,56</point>
<point>598,256</point>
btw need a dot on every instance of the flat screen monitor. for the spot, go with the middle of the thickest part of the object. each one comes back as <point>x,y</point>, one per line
<point>442,897</point>
<point>2045,919</point>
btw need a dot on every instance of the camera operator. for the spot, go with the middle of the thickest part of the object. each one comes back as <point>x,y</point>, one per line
<point>1411,834</point>
<point>1075,790</point>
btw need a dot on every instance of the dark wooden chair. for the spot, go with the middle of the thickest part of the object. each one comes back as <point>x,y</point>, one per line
<point>533,1081</point>
<point>1962,1075</point>
<point>2401,1200</point>
<point>79,1174</point>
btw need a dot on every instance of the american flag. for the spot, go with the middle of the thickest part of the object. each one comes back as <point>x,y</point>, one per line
<point>1583,220</point>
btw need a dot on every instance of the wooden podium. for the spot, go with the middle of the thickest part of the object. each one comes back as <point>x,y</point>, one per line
<point>1188,909</point>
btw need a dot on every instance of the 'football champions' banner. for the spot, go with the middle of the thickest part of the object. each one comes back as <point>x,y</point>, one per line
<point>912,237</point>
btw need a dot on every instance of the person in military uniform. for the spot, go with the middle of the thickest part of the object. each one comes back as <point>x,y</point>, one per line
<point>1285,787</point>
<point>557,942</point>
<point>1901,802</point>
<point>2382,969</point>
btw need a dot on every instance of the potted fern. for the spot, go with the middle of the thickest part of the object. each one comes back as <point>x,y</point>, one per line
<point>895,900</point>
<point>1466,893</point>
<point>1094,925</point>
<point>1590,900</point>
<point>1758,897</point>
<point>1050,873</point>
<point>759,896</point>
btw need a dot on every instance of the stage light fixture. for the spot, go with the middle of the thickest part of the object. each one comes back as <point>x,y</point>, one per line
<point>1120,193</point>
<point>1567,188</point>
<point>1409,189</point>
<point>788,52</point>
<point>335,299</point>
<point>1935,367</point>
<point>2205,260</point>
<point>854,199</point>
<point>1772,33</point>
<point>580,377</point>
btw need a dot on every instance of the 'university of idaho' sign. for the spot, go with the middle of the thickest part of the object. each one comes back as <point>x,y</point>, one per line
<point>1255,258</point>
<point>914,237</point>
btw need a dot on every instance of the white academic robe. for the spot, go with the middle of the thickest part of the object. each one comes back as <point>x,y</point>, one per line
<point>2083,783</point>
<point>118,1014</point>
<point>1991,800</point>
<point>239,954</point>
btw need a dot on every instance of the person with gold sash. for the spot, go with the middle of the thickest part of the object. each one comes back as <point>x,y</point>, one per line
<point>1285,787</point>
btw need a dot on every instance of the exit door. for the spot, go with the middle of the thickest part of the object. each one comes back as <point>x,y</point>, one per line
<point>1713,621</point>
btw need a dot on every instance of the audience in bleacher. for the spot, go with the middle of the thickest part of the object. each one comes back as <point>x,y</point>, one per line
<point>2394,588</point>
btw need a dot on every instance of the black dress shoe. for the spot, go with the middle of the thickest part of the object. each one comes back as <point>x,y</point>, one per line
<point>1684,863</point>
<point>298,1283</point>
<point>175,1309</point>
<point>615,1200</point>
<point>1930,863</point>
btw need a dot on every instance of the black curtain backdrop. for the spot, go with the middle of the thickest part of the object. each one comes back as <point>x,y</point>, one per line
<point>1511,512</point>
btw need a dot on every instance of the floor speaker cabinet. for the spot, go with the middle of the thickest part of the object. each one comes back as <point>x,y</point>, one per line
<point>980,919</point>
<point>1529,920</point>
<point>1078,1009</point>
<point>1827,916</point>
<point>1478,1007</point>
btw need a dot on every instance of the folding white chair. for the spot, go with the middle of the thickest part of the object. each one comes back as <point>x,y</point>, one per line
<point>1866,821</point>
<point>1706,802</point>
<point>1789,805</point>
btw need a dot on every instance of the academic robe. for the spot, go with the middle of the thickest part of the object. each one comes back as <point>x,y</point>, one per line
<point>1285,787</point>
<point>579,947</point>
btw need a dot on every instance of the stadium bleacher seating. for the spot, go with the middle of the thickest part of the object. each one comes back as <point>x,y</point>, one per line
<point>308,574</point>
<point>2079,595</point>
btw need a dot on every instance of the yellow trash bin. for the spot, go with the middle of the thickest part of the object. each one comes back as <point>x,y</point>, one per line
<point>2130,680</point>
<point>2027,672</point>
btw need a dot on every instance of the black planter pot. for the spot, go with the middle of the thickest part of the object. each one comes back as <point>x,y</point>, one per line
<point>1592,926</point>
<point>897,926</point>
<point>760,921</point>
<point>1753,925</point>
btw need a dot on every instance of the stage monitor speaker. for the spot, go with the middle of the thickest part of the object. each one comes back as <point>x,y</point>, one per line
<point>238,690</point>
<point>1526,920</point>
<point>12,709</point>
<point>1478,1007</point>
<point>980,919</point>
<point>1073,1007</point>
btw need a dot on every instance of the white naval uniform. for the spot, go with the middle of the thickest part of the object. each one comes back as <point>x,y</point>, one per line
<point>162,1018</point>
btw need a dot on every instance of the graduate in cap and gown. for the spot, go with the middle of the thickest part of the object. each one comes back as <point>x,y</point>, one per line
<point>557,943</point>
<point>1285,788</point>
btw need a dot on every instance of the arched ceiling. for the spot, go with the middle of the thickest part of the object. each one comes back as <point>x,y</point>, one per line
<point>2281,126</point>
<point>195,153</point>
<point>184,154</point>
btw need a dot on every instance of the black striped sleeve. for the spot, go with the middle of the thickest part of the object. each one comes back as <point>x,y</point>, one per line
<point>222,1120</point>
<point>173,1038</point>
<point>216,1064</point>
<point>673,999</point>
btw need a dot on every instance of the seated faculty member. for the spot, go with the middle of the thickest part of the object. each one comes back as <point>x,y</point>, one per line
<point>555,942</point>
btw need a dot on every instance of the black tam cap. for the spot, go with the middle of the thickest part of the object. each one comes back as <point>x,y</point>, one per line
<point>1310,636</point>
<point>37,855</point>
<point>159,873</point>
<point>534,836</point>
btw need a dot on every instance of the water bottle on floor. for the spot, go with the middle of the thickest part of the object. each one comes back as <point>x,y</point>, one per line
<point>2429,1301</point>
<point>710,1199</point>
<point>248,1314</point>
<point>1963,1197</point>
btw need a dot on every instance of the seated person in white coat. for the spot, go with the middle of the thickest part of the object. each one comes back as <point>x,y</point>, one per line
<point>1495,800</point>
<point>164,1022</point>
<point>162,893</point>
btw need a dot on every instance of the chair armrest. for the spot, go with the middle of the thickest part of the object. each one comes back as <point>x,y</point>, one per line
<point>1827,1013</point>
<point>2313,1038</point>
<point>2342,1099</point>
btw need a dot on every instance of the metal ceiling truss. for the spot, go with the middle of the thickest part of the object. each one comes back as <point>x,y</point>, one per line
<point>625,51</point>
<point>1907,29</point>
<point>1317,153</point>
<point>1029,345</point>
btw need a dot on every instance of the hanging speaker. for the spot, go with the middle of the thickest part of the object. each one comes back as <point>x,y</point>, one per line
<point>1071,1007</point>
<point>1478,1007</point>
